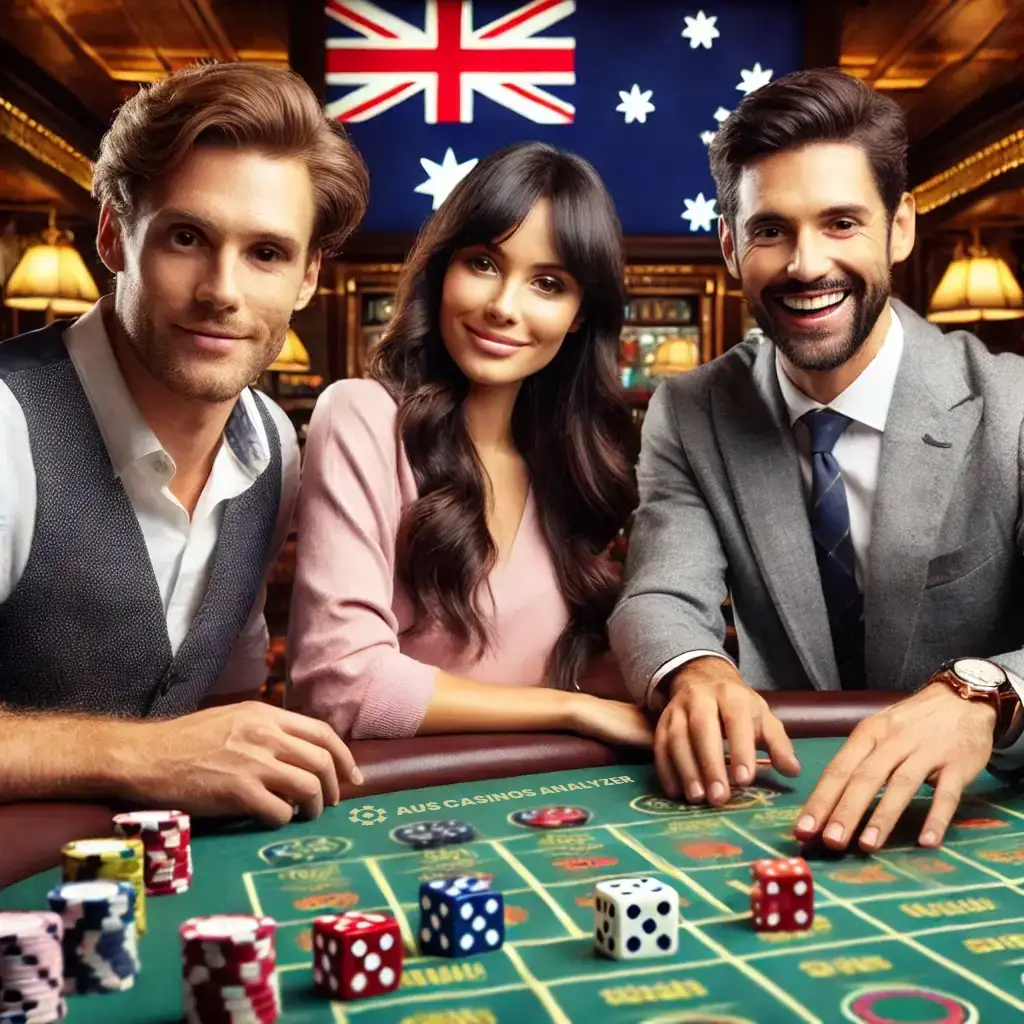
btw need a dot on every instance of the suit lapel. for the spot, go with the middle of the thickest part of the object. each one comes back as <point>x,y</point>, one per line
<point>915,483</point>
<point>761,461</point>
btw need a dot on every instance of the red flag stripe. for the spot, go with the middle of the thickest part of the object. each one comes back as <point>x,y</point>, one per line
<point>539,100</point>
<point>538,8</point>
<point>360,19</point>
<point>383,98</point>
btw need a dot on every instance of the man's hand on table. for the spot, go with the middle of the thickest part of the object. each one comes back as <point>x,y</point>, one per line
<point>709,697</point>
<point>934,736</point>
<point>248,759</point>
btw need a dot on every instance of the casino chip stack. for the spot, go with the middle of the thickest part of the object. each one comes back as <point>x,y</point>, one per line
<point>425,835</point>
<point>31,969</point>
<point>165,835</point>
<point>229,969</point>
<point>120,860</point>
<point>100,947</point>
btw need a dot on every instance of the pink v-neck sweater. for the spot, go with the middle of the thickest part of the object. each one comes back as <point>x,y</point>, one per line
<point>352,664</point>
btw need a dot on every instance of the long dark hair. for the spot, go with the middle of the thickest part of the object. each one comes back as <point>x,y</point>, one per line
<point>570,423</point>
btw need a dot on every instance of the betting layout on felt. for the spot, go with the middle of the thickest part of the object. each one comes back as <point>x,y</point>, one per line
<point>426,835</point>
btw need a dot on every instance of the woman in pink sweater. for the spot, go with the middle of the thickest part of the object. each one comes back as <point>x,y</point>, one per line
<point>456,507</point>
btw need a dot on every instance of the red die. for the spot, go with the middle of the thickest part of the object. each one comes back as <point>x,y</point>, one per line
<point>782,899</point>
<point>356,955</point>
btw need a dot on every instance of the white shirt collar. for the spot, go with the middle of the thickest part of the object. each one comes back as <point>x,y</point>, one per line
<point>126,434</point>
<point>867,399</point>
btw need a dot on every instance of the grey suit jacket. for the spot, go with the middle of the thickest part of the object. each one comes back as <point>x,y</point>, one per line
<point>723,512</point>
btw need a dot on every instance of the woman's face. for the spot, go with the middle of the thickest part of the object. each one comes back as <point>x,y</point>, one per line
<point>506,308</point>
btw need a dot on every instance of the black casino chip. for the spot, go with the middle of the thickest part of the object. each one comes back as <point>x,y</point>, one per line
<point>552,817</point>
<point>426,835</point>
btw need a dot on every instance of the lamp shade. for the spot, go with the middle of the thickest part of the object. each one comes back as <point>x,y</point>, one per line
<point>676,355</point>
<point>976,287</point>
<point>51,276</point>
<point>293,357</point>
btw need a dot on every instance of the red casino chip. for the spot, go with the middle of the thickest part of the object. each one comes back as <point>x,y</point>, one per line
<point>552,817</point>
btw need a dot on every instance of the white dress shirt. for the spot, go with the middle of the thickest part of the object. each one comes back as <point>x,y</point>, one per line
<point>858,450</point>
<point>180,548</point>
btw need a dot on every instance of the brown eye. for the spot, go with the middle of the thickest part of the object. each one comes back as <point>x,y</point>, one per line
<point>265,254</point>
<point>550,285</point>
<point>482,263</point>
<point>185,238</point>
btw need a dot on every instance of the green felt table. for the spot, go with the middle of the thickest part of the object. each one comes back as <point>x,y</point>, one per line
<point>910,935</point>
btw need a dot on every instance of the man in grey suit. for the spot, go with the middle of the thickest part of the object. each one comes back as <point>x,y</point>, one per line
<point>853,483</point>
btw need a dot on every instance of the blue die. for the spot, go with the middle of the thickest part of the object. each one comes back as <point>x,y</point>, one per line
<point>460,916</point>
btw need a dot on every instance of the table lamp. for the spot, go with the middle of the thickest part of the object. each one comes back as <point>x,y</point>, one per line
<point>51,276</point>
<point>976,286</point>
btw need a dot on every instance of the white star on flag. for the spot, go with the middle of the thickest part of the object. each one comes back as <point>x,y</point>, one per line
<point>706,137</point>
<point>636,105</point>
<point>700,212</point>
<point>443,177</point>
<point>721,114</point>
<point>754,79</point>
<point>700,30</point>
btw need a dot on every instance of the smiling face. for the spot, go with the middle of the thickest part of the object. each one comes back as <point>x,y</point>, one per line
<point>813,248</point>
<point>212,267</point>
<point>507,306</point>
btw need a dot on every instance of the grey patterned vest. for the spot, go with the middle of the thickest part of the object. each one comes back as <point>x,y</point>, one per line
<point>84,628</point>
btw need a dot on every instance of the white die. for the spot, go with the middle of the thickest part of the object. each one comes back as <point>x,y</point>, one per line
<point>636,918</point>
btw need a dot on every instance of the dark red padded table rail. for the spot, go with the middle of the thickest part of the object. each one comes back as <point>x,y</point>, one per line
<point>31,834</point>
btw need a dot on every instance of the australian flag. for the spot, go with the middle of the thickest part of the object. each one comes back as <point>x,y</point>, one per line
<point>638,87</point>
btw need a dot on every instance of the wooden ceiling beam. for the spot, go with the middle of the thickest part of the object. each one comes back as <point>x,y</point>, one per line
<point>54,17</point>
<point>930,15</point>
<point>209,26</point>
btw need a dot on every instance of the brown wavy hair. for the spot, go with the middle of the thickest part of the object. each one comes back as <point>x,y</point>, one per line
<point>570,422</point>
<point>244,105</point>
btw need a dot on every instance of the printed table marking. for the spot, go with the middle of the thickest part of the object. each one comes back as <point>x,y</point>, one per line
<point>250,891</point>
<point>396,908</point>
<point>664,866</point>
<point>666,967</point>
<point>726,954</point>
<point>1000,807</point>
<point>379,1002</point>
<point>971,862</point>
<point>541,991</point>
<point>963,926</point>
<point>896,869</point>
<point>527,876</point>
<point>852,906</point>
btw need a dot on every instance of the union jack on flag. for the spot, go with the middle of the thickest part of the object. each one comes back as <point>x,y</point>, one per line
<point>390,60</point>
<point>428,88</point>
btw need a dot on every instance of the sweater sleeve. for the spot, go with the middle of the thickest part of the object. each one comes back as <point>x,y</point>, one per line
<point>345,664</point>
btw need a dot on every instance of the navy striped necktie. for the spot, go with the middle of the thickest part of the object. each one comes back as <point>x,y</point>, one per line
<point>833,546</point>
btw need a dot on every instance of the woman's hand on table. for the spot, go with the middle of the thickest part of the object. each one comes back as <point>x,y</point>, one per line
<point>934,736</point>
<point>616,722</point>
<point>249,759</point>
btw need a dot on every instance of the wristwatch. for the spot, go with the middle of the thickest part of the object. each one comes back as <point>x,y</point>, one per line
<point>981,679</point>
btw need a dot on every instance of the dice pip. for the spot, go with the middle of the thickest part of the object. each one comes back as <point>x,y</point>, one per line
<point>356,955</point>
<point>460,916</point>
<point>636,918</point>
<point>782,899</point>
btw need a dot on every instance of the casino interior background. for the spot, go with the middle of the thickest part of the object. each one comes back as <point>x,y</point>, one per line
<point>955,66</point>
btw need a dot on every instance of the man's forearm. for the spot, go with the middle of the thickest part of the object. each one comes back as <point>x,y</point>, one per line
<point>54,756</point>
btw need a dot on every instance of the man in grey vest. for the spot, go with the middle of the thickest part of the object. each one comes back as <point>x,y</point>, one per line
<point>853,482</point>
<point>145,489</point>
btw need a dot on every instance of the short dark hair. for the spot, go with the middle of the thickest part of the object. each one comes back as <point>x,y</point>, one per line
<point>819,105</point>
<point>245,105</point>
